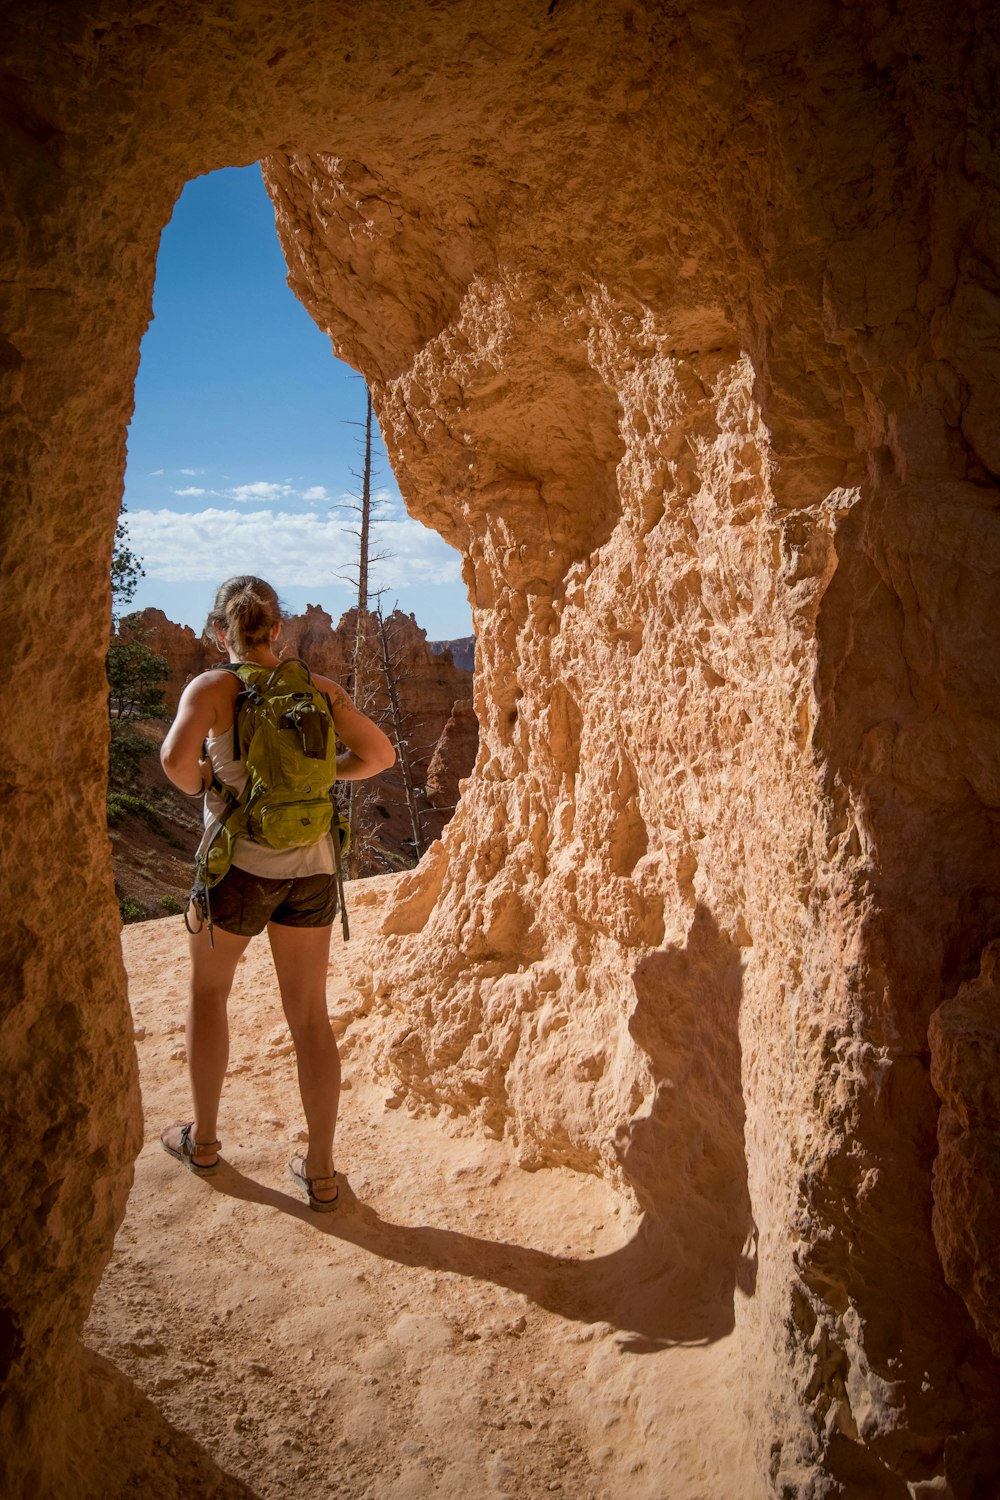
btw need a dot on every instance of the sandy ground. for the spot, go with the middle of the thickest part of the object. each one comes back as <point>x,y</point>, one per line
<point>457,1328</point>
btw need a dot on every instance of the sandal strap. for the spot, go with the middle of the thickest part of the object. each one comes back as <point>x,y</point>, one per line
<point>202,1147</point>
<point>323,1183</point>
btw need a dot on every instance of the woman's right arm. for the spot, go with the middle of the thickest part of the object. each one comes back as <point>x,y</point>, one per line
<point>369,751</point>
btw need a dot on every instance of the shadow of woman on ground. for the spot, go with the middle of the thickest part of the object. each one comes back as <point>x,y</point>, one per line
<point>632,1289</point>
<point>674,1281</point>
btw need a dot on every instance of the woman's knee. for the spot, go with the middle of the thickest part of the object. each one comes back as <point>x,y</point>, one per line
<point>209,999</point>
<point>311,1027</point>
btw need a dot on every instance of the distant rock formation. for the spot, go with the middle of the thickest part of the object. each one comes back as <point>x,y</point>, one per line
<point>429,683</point>
<point>185,653</point>
<point>453,758</point>
<point>462,650</point>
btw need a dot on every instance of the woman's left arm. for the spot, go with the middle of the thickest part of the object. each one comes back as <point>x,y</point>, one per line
<point>181,751</point>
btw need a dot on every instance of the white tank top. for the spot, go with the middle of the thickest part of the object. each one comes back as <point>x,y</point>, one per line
<point>257,859</point>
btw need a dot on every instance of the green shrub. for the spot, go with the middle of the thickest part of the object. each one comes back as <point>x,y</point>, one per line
<point>130,910</point>
<point>125,752</point>
<point>171,905</point>
<point>392,859</point>
<point>120,804</point>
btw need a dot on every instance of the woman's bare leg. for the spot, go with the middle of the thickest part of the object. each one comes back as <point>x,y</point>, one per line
<point>300,956</point>
<point>207,1029</point>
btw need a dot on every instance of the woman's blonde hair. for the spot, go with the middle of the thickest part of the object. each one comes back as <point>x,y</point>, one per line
<point>247,610</point>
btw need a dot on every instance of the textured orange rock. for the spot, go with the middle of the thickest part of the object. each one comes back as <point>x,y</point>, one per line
<point>682,323</point>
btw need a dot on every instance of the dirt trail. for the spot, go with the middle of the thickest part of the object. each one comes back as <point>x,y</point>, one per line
<point>455,1329</point>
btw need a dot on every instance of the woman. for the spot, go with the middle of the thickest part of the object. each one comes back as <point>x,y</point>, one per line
<point>291,892</point>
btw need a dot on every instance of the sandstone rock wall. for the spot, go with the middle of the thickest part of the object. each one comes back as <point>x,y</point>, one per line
<point>682,323</point>
<point>721,481</point>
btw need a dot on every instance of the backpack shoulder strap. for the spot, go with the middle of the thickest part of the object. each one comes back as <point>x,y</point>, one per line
<point>283,666</point>
<point>235,669</point>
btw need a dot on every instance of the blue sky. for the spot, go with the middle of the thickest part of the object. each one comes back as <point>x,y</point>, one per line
<point>240,452</point>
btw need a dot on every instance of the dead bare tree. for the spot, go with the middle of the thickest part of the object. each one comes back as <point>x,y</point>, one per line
<point>375,687</point>
<point>364,541</point>
<point>362,685</point>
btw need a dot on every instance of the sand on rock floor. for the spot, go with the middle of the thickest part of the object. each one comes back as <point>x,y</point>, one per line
<point>458,1327</point>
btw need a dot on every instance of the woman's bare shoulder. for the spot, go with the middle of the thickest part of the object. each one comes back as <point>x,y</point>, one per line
<point>211,682</point>
<point>339,697</point>
<point>211,693</point>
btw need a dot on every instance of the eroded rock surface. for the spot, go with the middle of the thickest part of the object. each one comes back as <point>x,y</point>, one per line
<point>682,323</point>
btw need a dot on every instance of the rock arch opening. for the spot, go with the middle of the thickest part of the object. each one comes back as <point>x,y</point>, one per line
<point>247,453</point>
<point>243,411</point>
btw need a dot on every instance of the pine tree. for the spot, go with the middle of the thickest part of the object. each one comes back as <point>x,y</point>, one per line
<point>136,674</point>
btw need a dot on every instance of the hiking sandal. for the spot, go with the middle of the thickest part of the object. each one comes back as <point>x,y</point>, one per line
<point>297,1167</point>
<point>188,1147</point>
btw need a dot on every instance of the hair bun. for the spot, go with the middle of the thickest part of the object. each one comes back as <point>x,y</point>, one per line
<point>247,610</point>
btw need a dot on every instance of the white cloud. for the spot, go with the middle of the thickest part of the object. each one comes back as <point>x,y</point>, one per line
<point>261,489</point>
<point>155,473</point>
<point>191,490</point>
<point>307,550</point>
<point>316,492</point>
<point>190,472</point>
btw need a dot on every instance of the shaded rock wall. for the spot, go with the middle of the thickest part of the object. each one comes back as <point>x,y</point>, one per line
<point>682,323</point>
<point>965,1071</point>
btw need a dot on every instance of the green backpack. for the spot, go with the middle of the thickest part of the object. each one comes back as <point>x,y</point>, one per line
<point>283,732</point>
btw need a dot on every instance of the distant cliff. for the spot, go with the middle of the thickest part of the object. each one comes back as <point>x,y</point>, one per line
<point>463,651</point>
<point>429,683</point>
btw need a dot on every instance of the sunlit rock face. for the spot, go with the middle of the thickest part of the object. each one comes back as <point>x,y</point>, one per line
<point>708,415</point>
<point>682,324</point>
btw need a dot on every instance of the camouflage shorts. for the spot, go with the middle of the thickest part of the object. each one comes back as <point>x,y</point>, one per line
<point>243,904</point>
